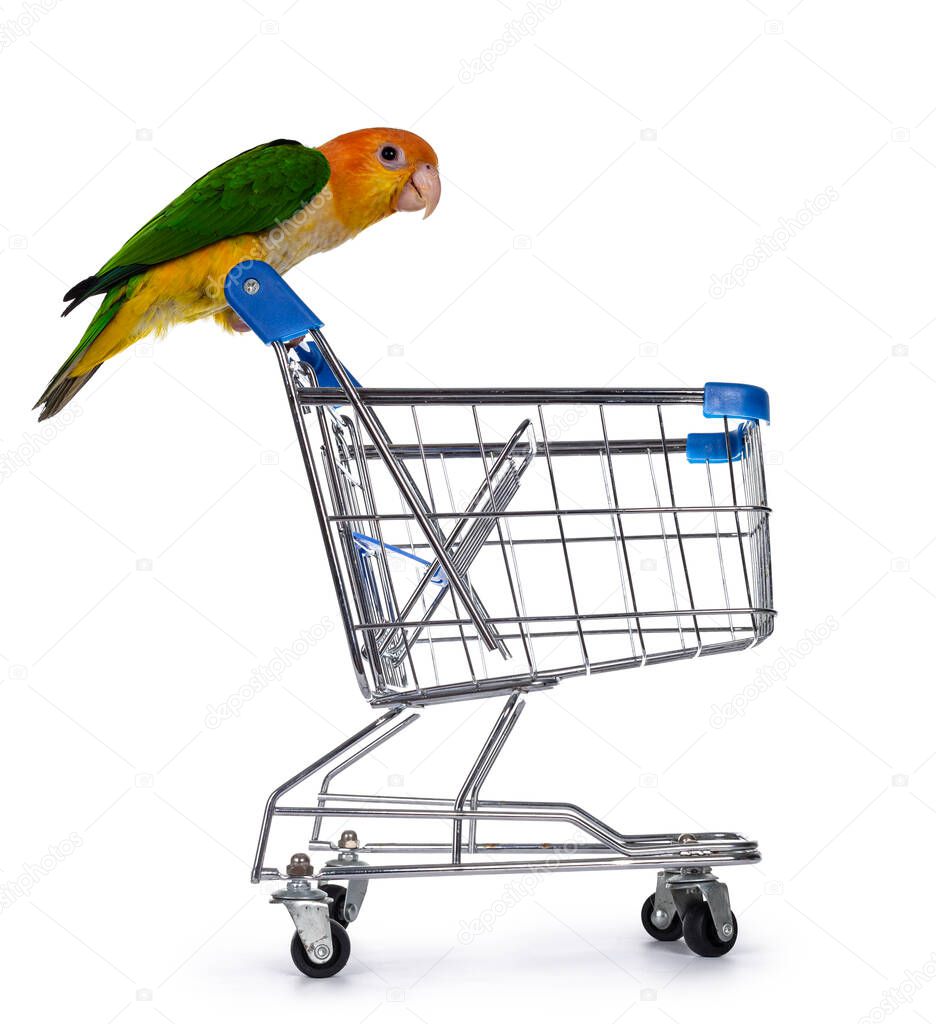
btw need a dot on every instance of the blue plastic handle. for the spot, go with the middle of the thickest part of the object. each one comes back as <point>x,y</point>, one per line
<point>715,447</point>
<point>721,400</point>
<point>269,307</point>
<point>274,312</point>
<point>736,401</point>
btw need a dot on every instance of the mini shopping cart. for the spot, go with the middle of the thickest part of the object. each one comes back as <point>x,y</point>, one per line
<point>493,542</point>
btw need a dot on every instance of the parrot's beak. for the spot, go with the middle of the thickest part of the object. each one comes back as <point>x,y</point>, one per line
<point>421,191</point>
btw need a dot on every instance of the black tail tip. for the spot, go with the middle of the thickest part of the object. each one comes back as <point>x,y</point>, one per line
<point>83,289</point>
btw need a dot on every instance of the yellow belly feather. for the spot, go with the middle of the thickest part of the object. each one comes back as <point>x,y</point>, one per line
<point>192,287</point>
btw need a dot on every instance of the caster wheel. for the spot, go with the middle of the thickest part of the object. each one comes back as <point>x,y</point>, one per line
<point>670,933</point>
<point>338,894</point>
<point>341,950</point>
<point>700,935</point>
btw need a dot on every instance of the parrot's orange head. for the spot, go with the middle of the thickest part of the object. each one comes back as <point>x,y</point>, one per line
<point>377,171</point>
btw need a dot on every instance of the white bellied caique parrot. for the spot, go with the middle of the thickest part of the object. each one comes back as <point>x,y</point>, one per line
<point>278,202</point>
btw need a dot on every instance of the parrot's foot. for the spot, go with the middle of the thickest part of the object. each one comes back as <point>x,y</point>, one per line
<point>230,321</point>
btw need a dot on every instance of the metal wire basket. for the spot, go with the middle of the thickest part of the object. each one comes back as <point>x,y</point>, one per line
<point>585,540</point>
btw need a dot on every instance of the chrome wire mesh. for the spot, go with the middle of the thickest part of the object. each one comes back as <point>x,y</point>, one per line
<point>583,535</point>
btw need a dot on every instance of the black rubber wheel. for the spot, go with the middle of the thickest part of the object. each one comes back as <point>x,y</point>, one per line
<point>670,933</point>
<point>700,935</point>
<point>338,894</point>
<point>341,950</point>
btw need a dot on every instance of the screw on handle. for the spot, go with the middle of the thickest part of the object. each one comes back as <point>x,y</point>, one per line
<point>269,307</point>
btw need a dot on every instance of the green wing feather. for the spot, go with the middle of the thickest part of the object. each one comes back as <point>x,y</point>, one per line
<point>249,193</point>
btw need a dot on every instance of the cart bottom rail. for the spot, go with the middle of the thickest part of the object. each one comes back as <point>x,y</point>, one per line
<point>689,901</point>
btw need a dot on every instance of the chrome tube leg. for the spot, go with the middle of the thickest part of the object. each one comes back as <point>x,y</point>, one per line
<point>353,759</point>
<point>474,796</point>
<point>301,777</point>
<point>476,770</point>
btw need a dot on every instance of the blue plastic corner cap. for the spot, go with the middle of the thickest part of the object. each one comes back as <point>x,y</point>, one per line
<point>737,401</point>
<point>715,447</point>
<point>269,307</point>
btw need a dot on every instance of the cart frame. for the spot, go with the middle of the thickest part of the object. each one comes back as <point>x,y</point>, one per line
<point>383,631</point>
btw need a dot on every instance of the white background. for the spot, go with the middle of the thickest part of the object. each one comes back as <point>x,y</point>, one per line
<point>160,548</point>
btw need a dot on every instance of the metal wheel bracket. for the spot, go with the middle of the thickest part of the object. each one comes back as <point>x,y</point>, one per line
<point>695,885</point>
<point>664,903</point>
<point>357,890</point>
<point>357,887</point>
<point>308,908</point>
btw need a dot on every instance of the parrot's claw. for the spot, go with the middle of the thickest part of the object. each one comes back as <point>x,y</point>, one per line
<point>229,319</point>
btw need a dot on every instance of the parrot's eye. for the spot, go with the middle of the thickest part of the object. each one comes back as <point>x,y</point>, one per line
<point>391,156</point>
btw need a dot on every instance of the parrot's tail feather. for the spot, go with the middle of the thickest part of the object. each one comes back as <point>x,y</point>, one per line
<point>57,396</point>
<point>81,289</point>
<point>67,382</point>
<point>97,284</point>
